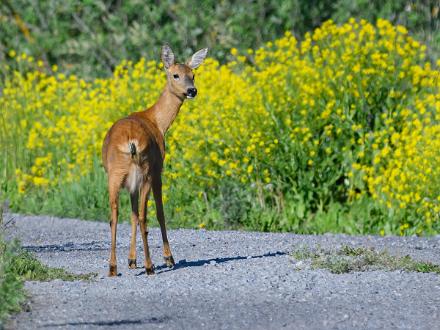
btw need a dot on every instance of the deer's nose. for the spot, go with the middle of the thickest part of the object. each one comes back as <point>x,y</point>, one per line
<point>191,92</point>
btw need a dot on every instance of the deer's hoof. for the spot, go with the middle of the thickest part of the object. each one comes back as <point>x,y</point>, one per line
<point>113,271</point>
<point>149,270</point>
<point>169,261</point>
<point>132,263</point>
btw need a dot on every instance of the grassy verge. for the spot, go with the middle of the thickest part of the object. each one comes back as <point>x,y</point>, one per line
<point>349,259</point>
<point>18,266</point>
<point>28,268</point>
<point>227,206</point>
<point>12,294</point>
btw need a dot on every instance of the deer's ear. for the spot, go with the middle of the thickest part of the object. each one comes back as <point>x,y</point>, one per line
<point>167,56</point>
<point>197,58</point>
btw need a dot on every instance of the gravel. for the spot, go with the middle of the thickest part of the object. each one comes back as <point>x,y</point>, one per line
<point>222,280</point>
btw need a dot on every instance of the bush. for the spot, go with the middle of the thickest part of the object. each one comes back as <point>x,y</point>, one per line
<point>90,38</point>
<point>308,137</point>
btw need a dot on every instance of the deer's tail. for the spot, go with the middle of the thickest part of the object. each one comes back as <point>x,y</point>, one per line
<point>133,149</point>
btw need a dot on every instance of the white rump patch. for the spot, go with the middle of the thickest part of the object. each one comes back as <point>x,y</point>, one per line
<point>134,179</point>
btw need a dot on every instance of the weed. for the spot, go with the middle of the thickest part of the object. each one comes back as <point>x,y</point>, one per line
<point>17,266</point>
<point>349,259</point>
<point>11,286</point>
<point>29,268</point>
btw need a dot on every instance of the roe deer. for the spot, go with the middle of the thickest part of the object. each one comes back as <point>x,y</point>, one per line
<point>133,153</point>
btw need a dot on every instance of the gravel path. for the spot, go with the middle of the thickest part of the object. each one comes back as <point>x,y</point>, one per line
<point>222,280</point>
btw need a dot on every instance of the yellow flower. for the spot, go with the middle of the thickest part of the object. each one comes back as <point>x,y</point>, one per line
<point>310,99</point>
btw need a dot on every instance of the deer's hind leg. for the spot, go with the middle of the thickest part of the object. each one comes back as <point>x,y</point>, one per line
<point>114,185</point>
<point>145,191</point>
<point>157,192</point>
<point>134,198</point>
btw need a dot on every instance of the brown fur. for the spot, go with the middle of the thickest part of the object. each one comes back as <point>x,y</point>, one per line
<point>140,171</point>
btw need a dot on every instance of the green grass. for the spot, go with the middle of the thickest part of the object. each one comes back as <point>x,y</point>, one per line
<point>17,266</point>
<point>12,294</point>
<point>349,259</point>
<point>26,266</point>
<point>229,207</point>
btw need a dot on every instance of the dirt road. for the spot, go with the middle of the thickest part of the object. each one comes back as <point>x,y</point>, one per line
<point>222,280</point>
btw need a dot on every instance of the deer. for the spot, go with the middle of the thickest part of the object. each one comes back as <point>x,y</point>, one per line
<point>133,154</point>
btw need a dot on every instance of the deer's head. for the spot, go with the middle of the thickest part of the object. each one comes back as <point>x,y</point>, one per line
<point>180,77</point>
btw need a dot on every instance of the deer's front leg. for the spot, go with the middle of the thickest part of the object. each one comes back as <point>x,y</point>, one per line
<point>145,190</point>
<point>157,192</point>
<point>134,198</point>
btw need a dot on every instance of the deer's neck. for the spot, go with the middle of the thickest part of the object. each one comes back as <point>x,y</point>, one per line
<point>165,110</point>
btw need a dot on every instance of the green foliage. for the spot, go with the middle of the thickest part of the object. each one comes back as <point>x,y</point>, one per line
<point>232,208</point>
<point>27,267</point>
<point>17,266</point>
<point>302,144</point>
<point>11,285</point>
<point>90,38</point>
<point>86,198</point>
<point>348,259</point>
<point>421,17</point>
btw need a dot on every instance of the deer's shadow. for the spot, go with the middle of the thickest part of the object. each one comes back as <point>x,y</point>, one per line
<point>103,246</point>
<point>202,262</point>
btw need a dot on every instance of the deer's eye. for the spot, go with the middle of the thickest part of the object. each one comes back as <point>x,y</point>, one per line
<point>176,76</point>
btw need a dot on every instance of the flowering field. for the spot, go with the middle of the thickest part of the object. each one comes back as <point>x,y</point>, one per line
<point>340,133</point>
